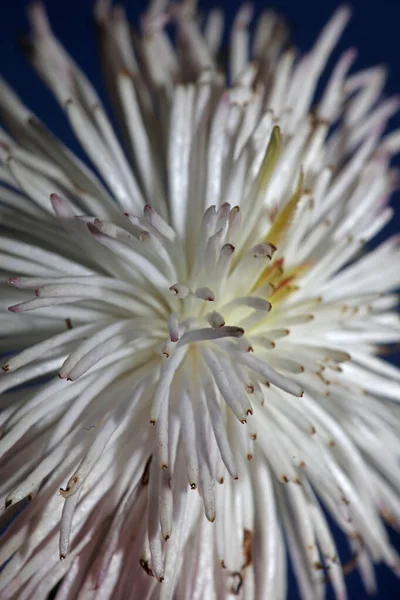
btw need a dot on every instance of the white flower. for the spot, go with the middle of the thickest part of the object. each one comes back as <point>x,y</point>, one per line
<point>207,299</point>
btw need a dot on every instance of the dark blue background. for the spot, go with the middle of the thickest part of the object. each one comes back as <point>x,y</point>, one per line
<point>374,31</point>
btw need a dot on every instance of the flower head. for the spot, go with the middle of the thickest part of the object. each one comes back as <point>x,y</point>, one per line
<point>204,293</point>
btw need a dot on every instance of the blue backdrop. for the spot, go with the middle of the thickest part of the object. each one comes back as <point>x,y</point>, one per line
<point>374,31</point>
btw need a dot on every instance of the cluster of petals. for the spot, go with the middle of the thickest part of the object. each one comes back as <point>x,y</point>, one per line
<point>193,388</point>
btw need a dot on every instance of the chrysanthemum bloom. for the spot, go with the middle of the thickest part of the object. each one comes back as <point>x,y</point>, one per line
<point>204,315</point>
